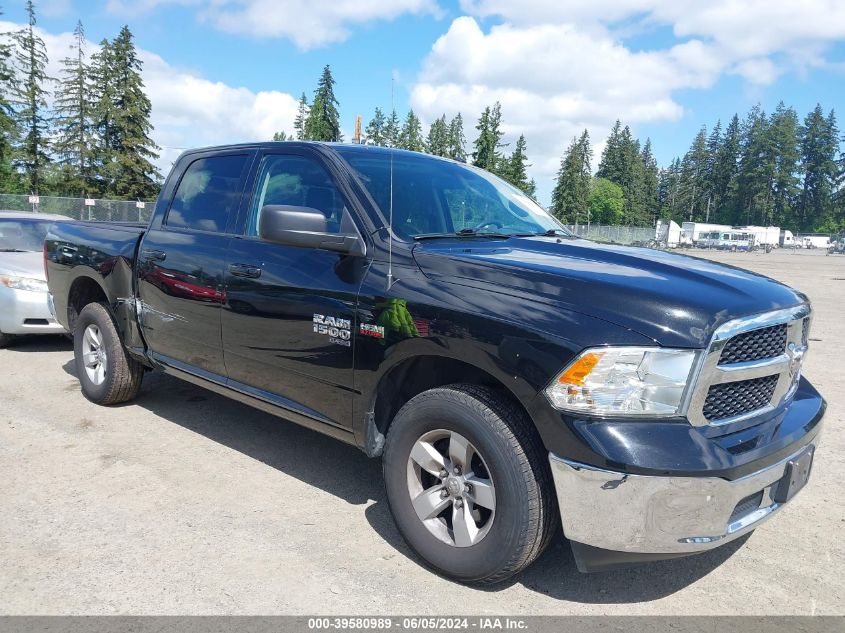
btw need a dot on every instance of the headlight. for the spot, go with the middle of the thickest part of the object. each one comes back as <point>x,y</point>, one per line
<point>23,283</point>
<point>624,381</point>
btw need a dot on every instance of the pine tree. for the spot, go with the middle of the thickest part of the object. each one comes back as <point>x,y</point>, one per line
<point>611,165</point>
<point>723,176</point>
<point>391,130</point>
<point>570,197</point>
<point>103,95</point>
<point>282,136</point>
<point>411,135</point>
<point>129,168</point>
<point>783,142</point>
<point>30,101</point>
<point>692,198</point>
<point>301,117</point>
<point>323,121</point>
<point>376,129</point>
<point>488,145</point>
<point>756,167</point>
<point>516,169</point>
<point>819,144</point>
<point>650,182</point>
<point>74,120</point>
<point>8,128</point>
<point>438,137</point>
<point>457,142</point>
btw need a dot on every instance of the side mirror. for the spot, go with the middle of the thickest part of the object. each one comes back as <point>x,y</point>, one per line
<point>306,228</point>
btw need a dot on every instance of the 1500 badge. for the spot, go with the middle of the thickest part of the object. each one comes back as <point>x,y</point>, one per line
<point>338,330</point>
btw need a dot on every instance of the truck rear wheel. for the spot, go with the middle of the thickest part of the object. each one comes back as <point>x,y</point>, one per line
<point>468,484</point>
<point>107,374</point>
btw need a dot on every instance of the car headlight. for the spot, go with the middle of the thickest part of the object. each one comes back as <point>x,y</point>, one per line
<point>23,283</point>
<point>624,381</point>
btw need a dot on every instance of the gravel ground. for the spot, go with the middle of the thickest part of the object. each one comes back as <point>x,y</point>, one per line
<point>185,502</point>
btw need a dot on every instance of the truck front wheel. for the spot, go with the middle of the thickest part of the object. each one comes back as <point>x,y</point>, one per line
<point>468,484</point>
<point>107,374</point>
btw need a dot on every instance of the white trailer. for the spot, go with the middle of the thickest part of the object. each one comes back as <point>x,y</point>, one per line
<point>787,239</point>
<point>764,235</point>
<point>669,232</point>
<point>691,231</point>
<point>813,241</point>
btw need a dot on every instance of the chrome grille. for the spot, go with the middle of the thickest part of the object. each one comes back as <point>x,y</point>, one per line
<point>751,366</point>
<point>766,342</point>
<point>738,398</point>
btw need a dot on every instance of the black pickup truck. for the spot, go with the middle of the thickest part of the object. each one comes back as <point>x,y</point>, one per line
<point>510,375</point>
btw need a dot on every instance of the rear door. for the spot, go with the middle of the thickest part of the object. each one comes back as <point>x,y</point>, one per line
<point>181,262</point>
<point>289,318</point>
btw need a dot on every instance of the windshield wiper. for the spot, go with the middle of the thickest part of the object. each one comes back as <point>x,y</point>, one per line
<point>462,233</point>
<point>13,250</point>
<point>553,233</point>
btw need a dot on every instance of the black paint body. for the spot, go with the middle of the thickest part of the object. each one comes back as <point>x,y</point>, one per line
<point>514,311</point>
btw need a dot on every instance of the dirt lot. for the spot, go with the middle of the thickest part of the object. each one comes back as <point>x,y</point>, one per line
<point>185,502</point>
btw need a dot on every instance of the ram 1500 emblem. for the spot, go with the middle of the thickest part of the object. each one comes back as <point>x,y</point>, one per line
<point>338,330</point>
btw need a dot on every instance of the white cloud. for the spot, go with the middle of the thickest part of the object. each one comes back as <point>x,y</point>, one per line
<point>559,66</point>
<point>307,23</point>
<point>189,110</point>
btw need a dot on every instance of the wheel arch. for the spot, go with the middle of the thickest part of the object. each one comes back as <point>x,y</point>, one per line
<point>414,375</point>
<point>83,291</point>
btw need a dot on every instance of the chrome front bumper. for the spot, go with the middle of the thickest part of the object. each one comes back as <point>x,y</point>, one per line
<point>661,515</point>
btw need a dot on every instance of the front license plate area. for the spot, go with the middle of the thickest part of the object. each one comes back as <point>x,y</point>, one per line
<point>796,476</point>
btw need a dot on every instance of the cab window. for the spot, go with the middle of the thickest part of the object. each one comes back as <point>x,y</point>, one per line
<point>208,194</point>
<point>295,181</point>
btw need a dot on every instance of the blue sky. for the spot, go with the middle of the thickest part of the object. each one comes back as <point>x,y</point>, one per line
<point>231,70</point>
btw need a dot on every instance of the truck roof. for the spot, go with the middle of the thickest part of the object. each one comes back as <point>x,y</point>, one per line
<point>347,147</point>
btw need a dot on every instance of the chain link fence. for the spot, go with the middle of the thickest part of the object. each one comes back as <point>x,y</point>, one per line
<point>80,208</point>
<point>613,234</point>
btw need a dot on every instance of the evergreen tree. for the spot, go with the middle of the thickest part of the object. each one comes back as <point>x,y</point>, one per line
<point>438,137</point>
<point>819,144</point>
<point>669,188</point>
<point>488,145</point>
<point>570,197</point>
<point>411,134</point>
<point>692,196</point>
<point>723,175</point>
<point>282,136</point>
<point>457,142</point>
<point>516,169</point>
<point>756,167</point>
<point>301,117</point>
<point>8,128</point>
<point>611,164</point>
<point>391,130</point>
<point>650,182</point>
<point>376,129</point>
<point>30,103</point>
<point>784,145</point>
<point>130,152</point>
<point>323,120</point>
<point>75,141</point>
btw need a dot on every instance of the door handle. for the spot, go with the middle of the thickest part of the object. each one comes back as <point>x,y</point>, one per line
<point>153,255</point>
<point>245,270</point>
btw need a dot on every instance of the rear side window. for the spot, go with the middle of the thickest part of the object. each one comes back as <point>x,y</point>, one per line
<point>208,194</point>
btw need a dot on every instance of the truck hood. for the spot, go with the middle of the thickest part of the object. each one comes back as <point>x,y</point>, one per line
<point>676,300</point>
<point>30,264</point>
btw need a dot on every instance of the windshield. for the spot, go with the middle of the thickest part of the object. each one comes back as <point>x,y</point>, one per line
<point>433,196</point>
<point>23,234</point>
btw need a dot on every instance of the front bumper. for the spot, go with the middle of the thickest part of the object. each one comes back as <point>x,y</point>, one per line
<point>653,515</point>
<point>26,312</point>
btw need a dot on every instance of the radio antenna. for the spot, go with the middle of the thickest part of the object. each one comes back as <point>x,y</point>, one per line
<point>390,280</point>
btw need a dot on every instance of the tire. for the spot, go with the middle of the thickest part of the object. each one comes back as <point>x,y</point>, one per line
<point>114,377</point>
<point>508,454</point>
<point>5,340</point>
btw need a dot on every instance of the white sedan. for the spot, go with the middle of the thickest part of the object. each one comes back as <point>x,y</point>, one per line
<point>24,300</point>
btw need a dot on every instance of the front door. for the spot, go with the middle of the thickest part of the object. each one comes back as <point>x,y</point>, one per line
<point>289,317</point>
<point>181,263</point>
